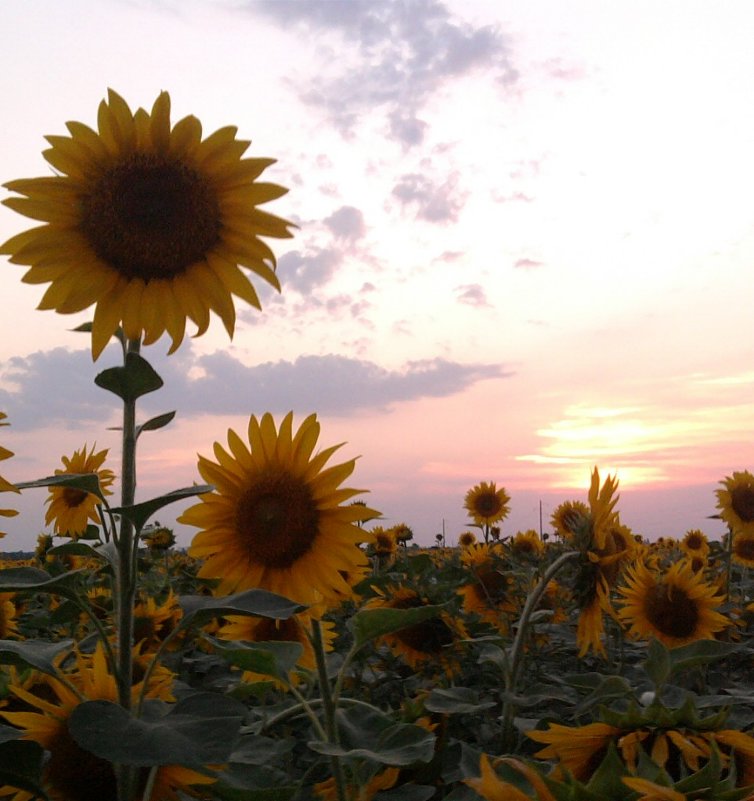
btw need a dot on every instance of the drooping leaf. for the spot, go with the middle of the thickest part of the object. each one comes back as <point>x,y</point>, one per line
<point>135,378</point>
<point>456,700</point>
<point>701,652</point>
<point>199,729</point>
<point>26,579</point>
<point>268,658</point>
<point>38,654</point>
<point>139,513</point>
<point>21,764</point>
<point>86,482</point>
<point>400,744</point>
<point>154,423</point>
<point>201,609</point>
<point>367,624</point>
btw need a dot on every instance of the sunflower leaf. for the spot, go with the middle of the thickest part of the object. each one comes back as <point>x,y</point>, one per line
<point>701,652</point>
<point>139,513</point>
<point>268,658</point>
<point>197,730</point>
<point>135,378</point>
<point>24,579</point>
<point>399,744</point>
<point>200,609</point>
<point>86,482</point>
<point>367,624</point>
<point>155,422</point>
<point>21,764</point>
<point>38,654</point>
<point>455,700</point>
<point>657,664</point>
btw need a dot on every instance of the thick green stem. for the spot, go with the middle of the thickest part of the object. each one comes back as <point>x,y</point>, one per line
<point>328,707</point>
<point>515,658</point>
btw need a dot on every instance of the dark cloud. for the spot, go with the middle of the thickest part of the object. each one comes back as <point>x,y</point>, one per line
<point>55,388</point>
<point>394,54</point>
<point>472,295</point>
<point>434,202</point>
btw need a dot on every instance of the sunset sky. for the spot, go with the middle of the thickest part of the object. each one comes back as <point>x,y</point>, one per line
<point>525,245</point>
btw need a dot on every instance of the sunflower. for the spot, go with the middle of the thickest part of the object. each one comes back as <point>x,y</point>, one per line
<point>579,749</point>
<point>466,539</point>
<point>695,543</point>
<point>651,791</point>
<point>71,773</point>
<point>8,616</point>
<point>71,509</point>
<point>159,538</point>
<point>568,518</point>
<point>153,621</point>
<point>736,501</point>
<point>384,543</point>
<point>277,519</point>
<point>490,786</point>
<point>527,543</point>
<point>743,547</point>
<point>148,223</point>
<point>676,607</point>
<point>486,504</point>
<point>6,486</point>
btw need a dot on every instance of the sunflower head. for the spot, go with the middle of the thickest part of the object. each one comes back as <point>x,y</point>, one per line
<point>146,221</point>
<point>569,518</point>
<point>467,539</point>
<point>486,504</point>
<point>695,543</point>
<point>159,538</point>
<point>70,509</point>
<point>527,544</point>
<point>277,518</point>
<point>736,501</point>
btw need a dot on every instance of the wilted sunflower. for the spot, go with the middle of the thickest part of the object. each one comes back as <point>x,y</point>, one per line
<point>569,517</point>
<point>71,773</point>
<point>736,501</point>
<point>277,519</point>
<point>147,222</point>
<point>71,509</point>
<point>676,607</point>
<point>743,547</point>
<point>486,504</point>
<point>6,486</point>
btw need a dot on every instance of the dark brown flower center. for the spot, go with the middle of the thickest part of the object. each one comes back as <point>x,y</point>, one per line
<point>277,519</point>
<point>742,502</point>
<point>743,548</point>
<point>151,217</point>
<point>694,541</point>
<point>73,498</point>
<point>670,610</point>
<point>269,630</point>
<point>487,504</point>
<point>493,585</point>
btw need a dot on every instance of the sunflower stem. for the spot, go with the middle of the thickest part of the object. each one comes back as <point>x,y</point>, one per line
<point>517,649</point>
<point>328,706</point>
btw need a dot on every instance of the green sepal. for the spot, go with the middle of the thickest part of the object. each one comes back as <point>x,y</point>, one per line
<point>268,658</point>
<point>606,781</point>
<point>86,482</point>
<point>38,654</point>
<point>367,624</point>
<point>135,378</point>
<point>199,729</point>
<point>139,513</point>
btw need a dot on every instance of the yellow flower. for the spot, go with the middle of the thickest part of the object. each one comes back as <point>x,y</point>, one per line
<point>652,791</point>
<point>491,787</point>
<point>695,544</point>
<point>6,486</point>
<point>467,539</point>
<point>383,780</point>
<point>527,543</point>
<point>384,542</point>
<point>743,547</point>
<point>147,222</point>
<point>736,501</point>
<point>71,509</point>
<point>675,607</point>
<point>277,519</point>
<point>569,518</point>
<point>8,616</point>
<point>71,773</point>
<point>579,749</point>
<point>486,504</point>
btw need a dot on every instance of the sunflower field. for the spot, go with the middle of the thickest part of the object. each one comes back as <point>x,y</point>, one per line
<point>300,651</point>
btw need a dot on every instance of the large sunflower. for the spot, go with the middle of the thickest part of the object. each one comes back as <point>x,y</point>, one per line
<point>736,501</point>
<point>147,222</point>
<point>71,509</point>
<point>675,607</point>
<point>277,519</point>
<point>486,504</point>
<point>70,772</point>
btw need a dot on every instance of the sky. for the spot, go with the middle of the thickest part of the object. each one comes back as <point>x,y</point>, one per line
<point>524,246</point>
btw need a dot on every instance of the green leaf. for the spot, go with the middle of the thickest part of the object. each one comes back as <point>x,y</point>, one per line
<point>606,782</point>
<point>139,513</point>
<point>657,664</point>
<point>268,658</point>
<point>38,654</point>
<point>201,609</point>
<point>456,700</point>
<point>400,744</point>
<point>21,766</point>
<point>155,422</point>
<point>137,377</point>
<point>79,548</point>
<point>198,730</point>
<point>86,482</point>
<point>407,792</point>
<point>26,579</point>
<point>368,624</point>
<point>253,783</point>
<point>701,652</point>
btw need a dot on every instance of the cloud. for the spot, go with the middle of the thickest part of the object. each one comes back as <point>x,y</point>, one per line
<point>392,54</point>
<point>304,271</point>
<point>346,223</point>
<point>56,389</point>
<point>527,264</point>
<point>472,295</point>
<point>434,202</point>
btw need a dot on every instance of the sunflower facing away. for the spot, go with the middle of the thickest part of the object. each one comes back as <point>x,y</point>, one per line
<point>676,607</point>
<point>736,501</point>
<point>147,222</point>
<point>71,509</point>
<point>277,519</point>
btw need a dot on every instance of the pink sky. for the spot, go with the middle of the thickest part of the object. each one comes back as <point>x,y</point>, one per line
<point>525,243</point>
